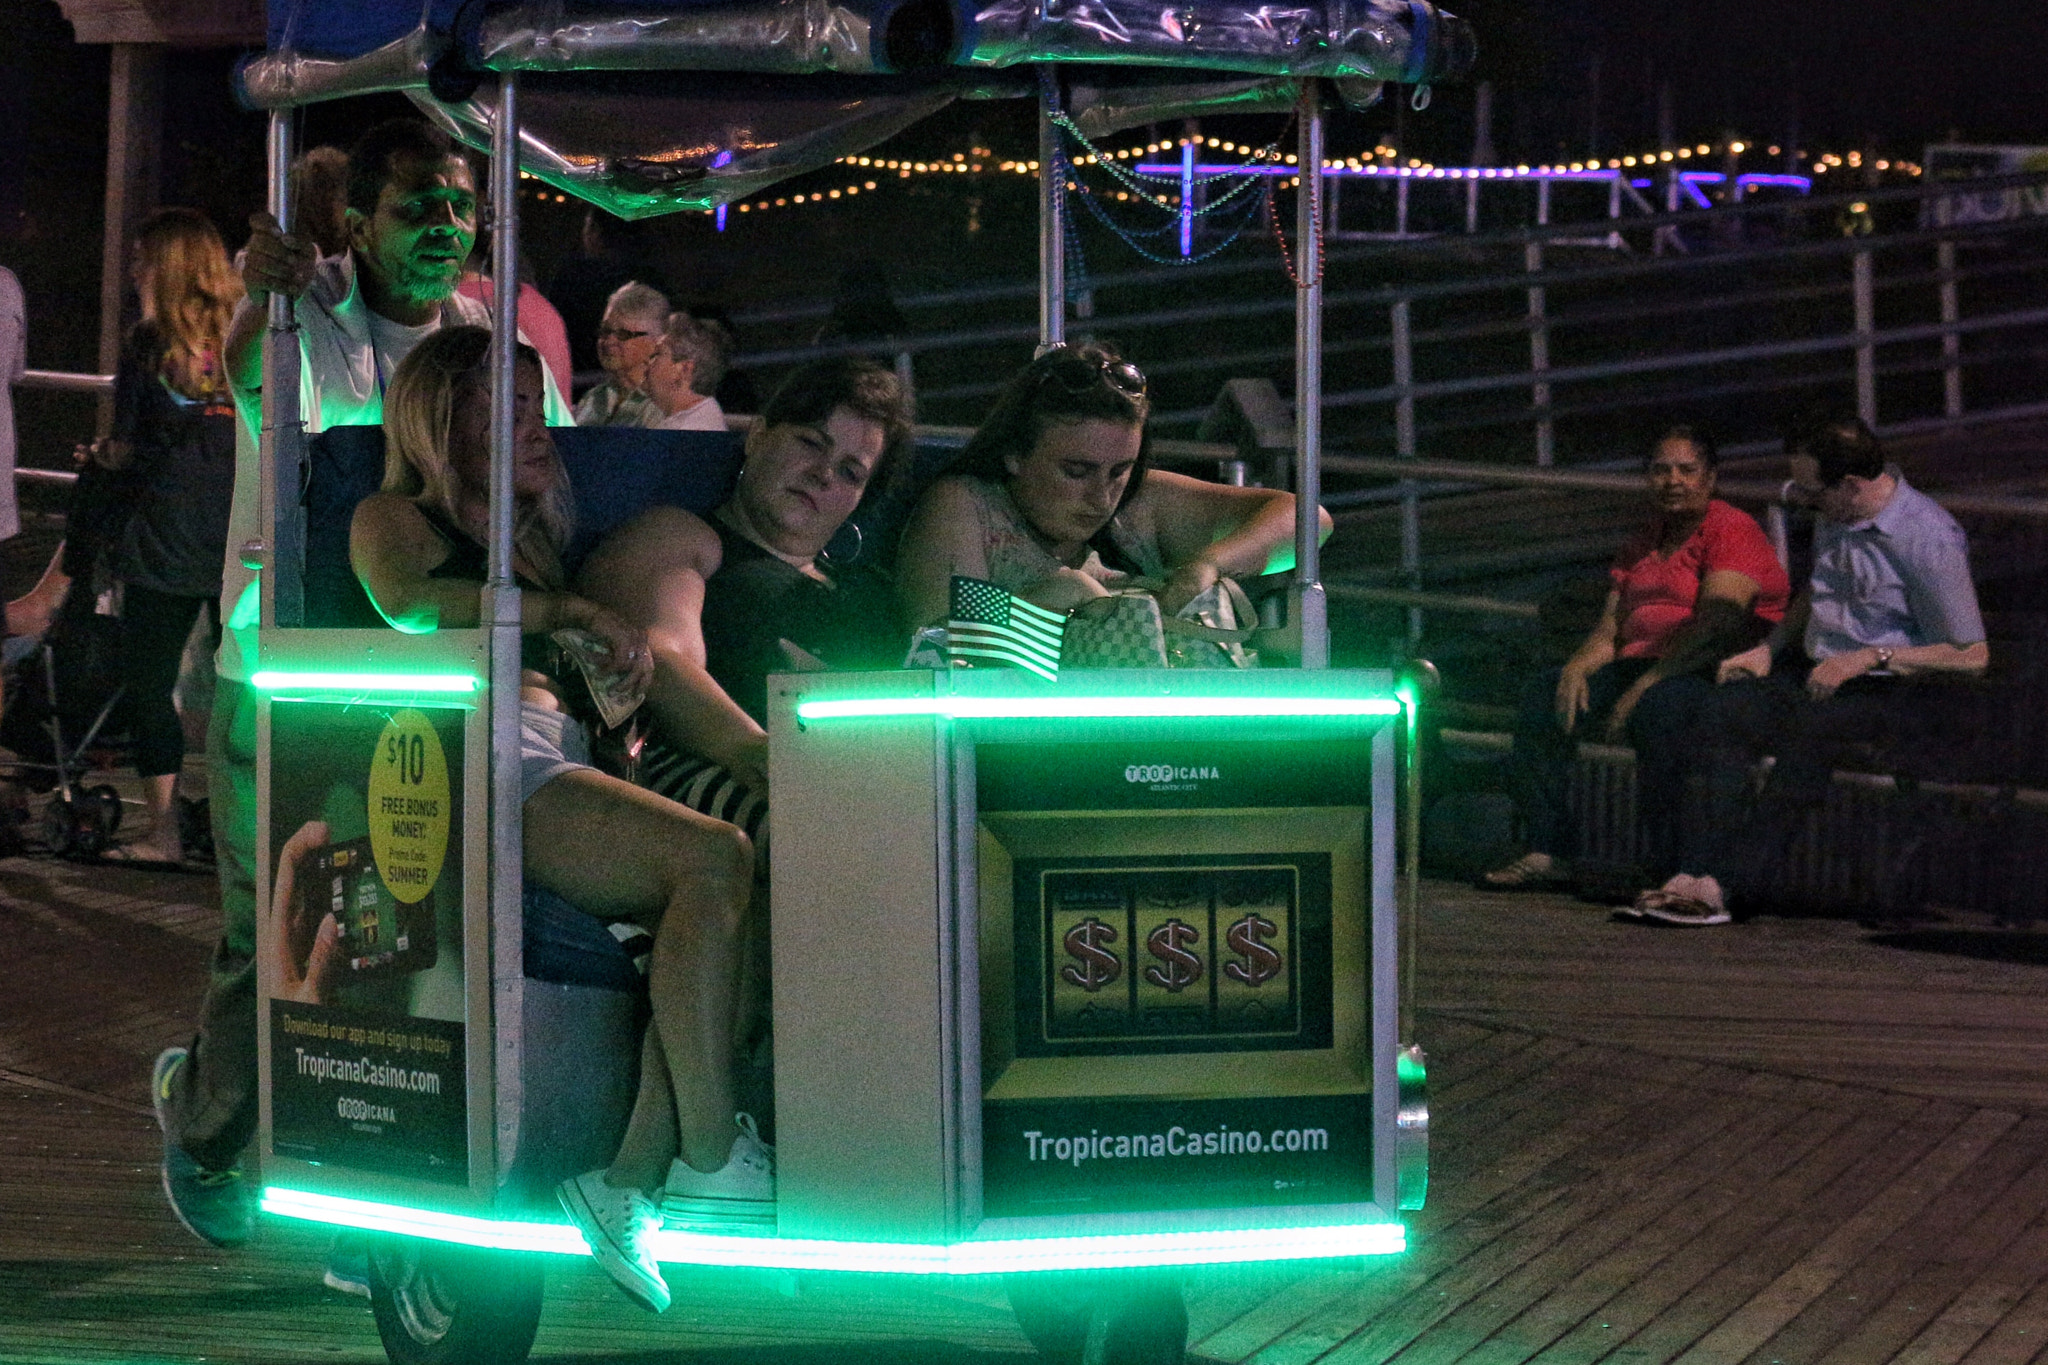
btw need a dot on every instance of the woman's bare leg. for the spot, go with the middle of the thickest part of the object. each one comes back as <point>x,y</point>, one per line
<point>613,849</point>
<point>650,1142</point>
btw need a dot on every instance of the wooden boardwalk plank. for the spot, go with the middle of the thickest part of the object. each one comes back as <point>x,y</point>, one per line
<point>1592,1179</point>
<point>1747,1267</point>
<point>1723,1237</point>
<point>1769,1311</point>
<point>1750,1152</point>
<point>1970,1283</point>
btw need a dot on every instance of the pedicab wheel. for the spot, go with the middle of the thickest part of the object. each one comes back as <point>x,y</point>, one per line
<point>438,1304</point>
<point>105,804</point>
<point>1097,1320</point>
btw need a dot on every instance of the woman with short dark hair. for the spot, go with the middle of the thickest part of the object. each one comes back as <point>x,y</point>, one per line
<point>832,433</point>
<point>1699,581</point>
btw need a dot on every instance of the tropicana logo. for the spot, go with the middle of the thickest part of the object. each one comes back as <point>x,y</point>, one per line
<point>1166,772</point>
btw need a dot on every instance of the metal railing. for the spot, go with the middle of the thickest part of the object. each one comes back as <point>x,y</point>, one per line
<point>1773,299</point>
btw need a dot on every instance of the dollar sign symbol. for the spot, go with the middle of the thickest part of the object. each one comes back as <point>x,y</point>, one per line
<point>1098,966</point>
<point>1169,943</point>
<point>1258,964</point>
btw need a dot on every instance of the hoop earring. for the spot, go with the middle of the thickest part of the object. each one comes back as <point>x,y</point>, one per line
<point>860,541</point>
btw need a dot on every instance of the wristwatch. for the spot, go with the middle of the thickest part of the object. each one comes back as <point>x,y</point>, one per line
<point>1884,660</point>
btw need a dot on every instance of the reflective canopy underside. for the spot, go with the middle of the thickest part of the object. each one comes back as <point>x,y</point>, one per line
<point>656,106</point>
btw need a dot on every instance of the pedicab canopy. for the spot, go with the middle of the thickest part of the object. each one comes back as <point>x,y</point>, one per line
<point>664,105</point>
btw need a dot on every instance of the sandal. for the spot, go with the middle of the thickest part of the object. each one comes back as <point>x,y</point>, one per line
<point>131,855</point>
<point>1530,872</point>
<point>1666,906</point>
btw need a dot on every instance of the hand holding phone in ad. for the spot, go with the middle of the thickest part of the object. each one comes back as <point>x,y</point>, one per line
<point>308,948</point>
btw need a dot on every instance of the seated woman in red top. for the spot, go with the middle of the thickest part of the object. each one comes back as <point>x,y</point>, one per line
<point>1700,580</point>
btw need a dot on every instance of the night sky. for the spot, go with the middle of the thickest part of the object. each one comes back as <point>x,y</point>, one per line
<point>1849,73</point>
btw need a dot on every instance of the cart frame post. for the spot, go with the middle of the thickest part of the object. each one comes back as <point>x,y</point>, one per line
<point>502,617</point>
<point>1052,221</point>
<point>281,441</point>
<point>1311,606</point>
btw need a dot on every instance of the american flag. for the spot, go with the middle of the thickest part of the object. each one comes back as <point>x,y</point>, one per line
<point>988,623</point>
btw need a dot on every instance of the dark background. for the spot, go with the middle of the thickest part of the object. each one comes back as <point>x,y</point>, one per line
<point>1571,80</point>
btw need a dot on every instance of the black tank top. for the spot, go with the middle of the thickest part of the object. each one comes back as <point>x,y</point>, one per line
<point>469,562</point>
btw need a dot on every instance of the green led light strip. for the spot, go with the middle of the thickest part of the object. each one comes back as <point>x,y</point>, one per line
<point>1090,708</point>
<point>1107,1252</point>
<point>269,680</point>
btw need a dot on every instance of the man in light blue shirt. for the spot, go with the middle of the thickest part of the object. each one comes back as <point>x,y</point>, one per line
<point>1889,617</point>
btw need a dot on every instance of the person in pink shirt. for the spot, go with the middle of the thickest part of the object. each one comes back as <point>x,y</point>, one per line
<point>539,323</point>
<point>1699,582</point>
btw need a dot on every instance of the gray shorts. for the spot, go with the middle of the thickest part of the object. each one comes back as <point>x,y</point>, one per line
<point>550,743</point>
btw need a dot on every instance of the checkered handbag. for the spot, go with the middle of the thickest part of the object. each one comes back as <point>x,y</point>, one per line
<point>1213,629</point>
<point>1119,631</point>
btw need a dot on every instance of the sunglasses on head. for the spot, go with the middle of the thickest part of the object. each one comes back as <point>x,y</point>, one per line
<point>1078,373</point>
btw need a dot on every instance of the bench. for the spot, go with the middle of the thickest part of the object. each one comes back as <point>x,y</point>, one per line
<point>1953,823</point>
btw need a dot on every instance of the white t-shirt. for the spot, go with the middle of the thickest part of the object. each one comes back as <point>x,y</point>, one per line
<point>703,415</point>
<point>393,342</point>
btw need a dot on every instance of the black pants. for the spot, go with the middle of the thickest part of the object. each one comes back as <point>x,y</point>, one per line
<point>1742,840</point>
<point>154,628</point>
<point>1658,729</point>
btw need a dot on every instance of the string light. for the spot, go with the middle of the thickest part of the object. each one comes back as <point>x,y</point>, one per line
<point>1378,159</point>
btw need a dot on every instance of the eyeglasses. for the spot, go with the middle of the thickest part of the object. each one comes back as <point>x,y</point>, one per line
<point>1078,373</point>
<point>621,334</point>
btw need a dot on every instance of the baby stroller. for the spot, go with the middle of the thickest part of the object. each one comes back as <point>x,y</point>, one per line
<point>63,699</point>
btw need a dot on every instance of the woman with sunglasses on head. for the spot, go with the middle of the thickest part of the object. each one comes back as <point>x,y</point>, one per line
<point>634,319</point>
<point>1053,500</point>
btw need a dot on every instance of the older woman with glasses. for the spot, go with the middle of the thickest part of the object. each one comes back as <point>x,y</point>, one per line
<point>634,318</point>
<point>1052,500</point>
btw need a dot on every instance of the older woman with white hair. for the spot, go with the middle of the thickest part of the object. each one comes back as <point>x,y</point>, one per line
<point>607,847</point>
<point>635,317</point>
<point>683,374</point>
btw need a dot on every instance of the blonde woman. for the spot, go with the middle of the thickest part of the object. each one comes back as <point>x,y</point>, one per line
<point>611,849</point>
<point>172,455</point>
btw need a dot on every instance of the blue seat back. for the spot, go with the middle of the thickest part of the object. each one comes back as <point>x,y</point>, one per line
<point>615,473</point>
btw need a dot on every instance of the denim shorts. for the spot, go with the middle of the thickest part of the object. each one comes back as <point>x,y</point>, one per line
<point>550,743</point>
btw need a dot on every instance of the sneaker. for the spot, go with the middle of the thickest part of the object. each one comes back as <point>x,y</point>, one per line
<point>348,1265</point>
<point>213,1205</point>
<point>741,1191</point>
<point>617,1223</point>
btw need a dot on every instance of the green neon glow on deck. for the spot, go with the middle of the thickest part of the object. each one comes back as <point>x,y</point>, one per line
<point>1090,708</point>
<point>1104,1252</point>
<point>269,680</point>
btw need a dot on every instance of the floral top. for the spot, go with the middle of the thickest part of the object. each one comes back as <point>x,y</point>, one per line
<point>1017,558</point>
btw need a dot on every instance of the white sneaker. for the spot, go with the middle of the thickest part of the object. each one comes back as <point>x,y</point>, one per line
<point>617,1223</point>
<point>741,1191</point>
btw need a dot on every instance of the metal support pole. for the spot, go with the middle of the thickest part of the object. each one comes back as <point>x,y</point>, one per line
<point>1866,348</point>
<point>135,120</point>
<point>502,614</point>
<point>281,442</point>
<point>1052,229</point>
<point>1951,340</point>
<point>1401,206</point>
<point>1188,140</point>
<point>1539,358</point>
<point>1311,607</point>
<point>1404,446</point>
